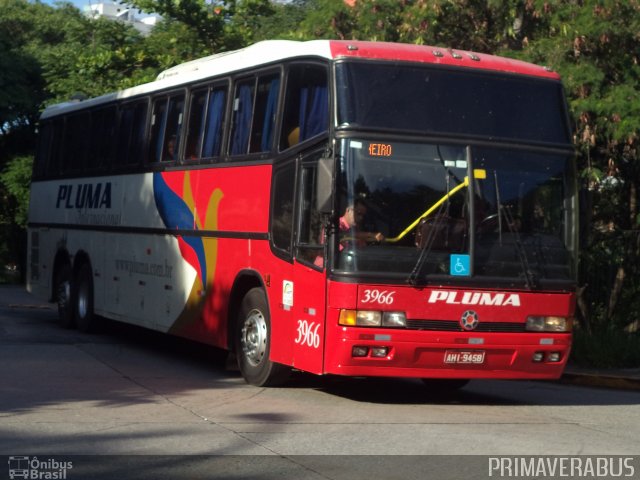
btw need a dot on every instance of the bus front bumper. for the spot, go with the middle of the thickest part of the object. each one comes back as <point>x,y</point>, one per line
<point>358,351</point>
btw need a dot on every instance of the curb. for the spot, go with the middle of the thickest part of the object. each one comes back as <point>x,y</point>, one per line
<point>620,382</point>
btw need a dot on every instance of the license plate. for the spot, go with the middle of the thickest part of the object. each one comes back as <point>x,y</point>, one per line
<point>464,356</point>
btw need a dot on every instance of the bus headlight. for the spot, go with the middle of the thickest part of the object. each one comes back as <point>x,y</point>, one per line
<point>372,318</point>
<point>549,324</point>
<point>394,319</point>
<point>368,318</point>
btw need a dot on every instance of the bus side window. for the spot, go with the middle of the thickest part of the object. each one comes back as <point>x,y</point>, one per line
<point>195,124</point>
<point>158,119</point>
<point>264,113</point>
<point>306,111</point>
<point>103,124</point>
<point>173,129</point>
<point>282,207</point>
<point>242,111</point>
<point>130,134</point>
<point>76,142</point>
<point>214,123</point>
<point>54,167</point>
<point>310,242</point>
<point>42,152</point>
<point>136,147</point>
<point>166,124</point>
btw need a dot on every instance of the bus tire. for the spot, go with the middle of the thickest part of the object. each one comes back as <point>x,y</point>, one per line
<point>253,342</point>
<point>64,289</point>
<point>444,385</point>
<point>83,304</point>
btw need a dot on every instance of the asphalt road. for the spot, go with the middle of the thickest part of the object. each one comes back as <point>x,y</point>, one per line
<point>143,401</point>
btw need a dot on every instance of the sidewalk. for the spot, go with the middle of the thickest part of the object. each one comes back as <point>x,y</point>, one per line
<point>625,379</point>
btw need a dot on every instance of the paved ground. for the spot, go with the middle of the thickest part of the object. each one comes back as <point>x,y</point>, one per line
<point>161,408</point>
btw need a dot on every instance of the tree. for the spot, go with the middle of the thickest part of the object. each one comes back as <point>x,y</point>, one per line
<point>219,25</point>
<point>595,46</point>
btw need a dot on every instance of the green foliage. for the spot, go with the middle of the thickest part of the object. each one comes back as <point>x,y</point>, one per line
<point>606,348</point>
<point>219,25</point>
<point>15,181</point>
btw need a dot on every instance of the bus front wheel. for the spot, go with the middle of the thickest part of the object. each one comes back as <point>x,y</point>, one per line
<point>253,342</point>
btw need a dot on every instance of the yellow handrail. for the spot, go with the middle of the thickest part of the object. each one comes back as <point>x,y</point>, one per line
<point>477,173</point>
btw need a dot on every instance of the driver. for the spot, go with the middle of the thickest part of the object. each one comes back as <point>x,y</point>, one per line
<point>351,225</point>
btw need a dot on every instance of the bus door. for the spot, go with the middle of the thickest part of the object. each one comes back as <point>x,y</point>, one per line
<point>309,273</point>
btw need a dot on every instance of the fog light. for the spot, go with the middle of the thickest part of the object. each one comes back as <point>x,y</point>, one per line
<point>379,352</point>
<point>538,357</point>
<point>359,351</point>
<point>554,357</point>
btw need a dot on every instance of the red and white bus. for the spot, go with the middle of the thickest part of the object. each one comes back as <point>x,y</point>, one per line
<point>337,207</point>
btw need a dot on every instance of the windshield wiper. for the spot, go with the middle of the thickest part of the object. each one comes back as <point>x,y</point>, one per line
<point>427,244</point>
<point>429,240</point>
<point>530,278</point>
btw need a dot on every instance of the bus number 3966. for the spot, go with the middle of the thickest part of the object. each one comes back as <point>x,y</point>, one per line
<point>308,334</point>
<point>376,296</point>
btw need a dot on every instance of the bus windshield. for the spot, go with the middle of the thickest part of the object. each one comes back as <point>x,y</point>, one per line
<point>411,211</point>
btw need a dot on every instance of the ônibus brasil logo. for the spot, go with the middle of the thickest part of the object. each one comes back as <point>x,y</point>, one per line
<point>34,468</point>
<point>475,298</point>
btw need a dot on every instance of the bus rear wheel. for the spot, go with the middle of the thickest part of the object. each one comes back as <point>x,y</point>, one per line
<point>64,296</point>
<point>253,342</point>
<point>83,304</point>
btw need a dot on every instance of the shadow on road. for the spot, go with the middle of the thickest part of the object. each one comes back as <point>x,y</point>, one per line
<point>44,364</point>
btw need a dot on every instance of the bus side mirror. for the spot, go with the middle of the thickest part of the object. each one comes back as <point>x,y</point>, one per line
<point>324,180</point>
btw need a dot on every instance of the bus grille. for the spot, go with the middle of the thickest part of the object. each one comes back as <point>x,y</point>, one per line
<point>452,326</point>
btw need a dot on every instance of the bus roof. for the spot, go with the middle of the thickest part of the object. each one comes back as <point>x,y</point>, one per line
<point>269,51</point>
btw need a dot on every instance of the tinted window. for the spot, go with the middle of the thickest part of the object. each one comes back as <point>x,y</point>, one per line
<point>426,99</point>
<point>166,125</point>
<point>282,207</point>
<point>241,123</point>
<point>44,145</point>
<point>264,114</point>
<point>130,144</point>
<point>255,106</point>
<point>206,122</point>
<point>103,123</point>
<point>76,141</point>
<point>55,155</point>
<point>306,111</point>
<point>195,126</point>
<point>214,123</point>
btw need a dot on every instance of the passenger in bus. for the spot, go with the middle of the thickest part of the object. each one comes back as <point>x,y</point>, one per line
<point>351,226</point>
<point>170,149</point>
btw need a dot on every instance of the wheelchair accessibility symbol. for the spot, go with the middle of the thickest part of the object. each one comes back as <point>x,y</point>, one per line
<point>459,265</point>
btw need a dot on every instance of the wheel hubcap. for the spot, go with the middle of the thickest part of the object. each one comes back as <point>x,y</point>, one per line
<point>254,337</point>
